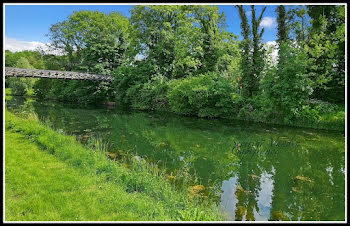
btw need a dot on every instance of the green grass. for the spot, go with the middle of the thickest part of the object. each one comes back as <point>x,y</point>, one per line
<point>41,187</point>
<point>8,91</point>
<point>8,94</point>
<point>30,92</point>
<point>334,120</point>
<point>51,177</point>
<point>334,117</point>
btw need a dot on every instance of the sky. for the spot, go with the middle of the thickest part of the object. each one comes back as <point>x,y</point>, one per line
<point>26,26</point>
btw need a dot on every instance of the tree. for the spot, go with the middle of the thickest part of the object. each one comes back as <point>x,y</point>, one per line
<point>246,52</point>
<point>252,52</point>
<point>287,86</point>
<point>282,27</point>
<point>23,63</point>
<point>286,89</point>
<point>34,58</point>
<point>171,45</point>
<point>159,35</point>
<point>211,24</point>
<point>93,41</point>
<point>282,33</point>
<point>258,50</point>
<point>327,52</point>
<point>182,41</point>
<point>298,23</point>
<point>10,59</point>
<point>21,86</point>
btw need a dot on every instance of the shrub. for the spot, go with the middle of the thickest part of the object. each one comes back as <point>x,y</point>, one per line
<point>287,87</point>
<point>150,95</point>
<point>207,95</point>
<point>21,86</point>
<point>127,81</point>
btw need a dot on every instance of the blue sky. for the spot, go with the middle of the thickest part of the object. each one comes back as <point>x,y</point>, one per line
<point>30,23</point>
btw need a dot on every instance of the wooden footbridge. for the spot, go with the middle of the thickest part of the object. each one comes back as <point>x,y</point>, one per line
<point>35,73</point>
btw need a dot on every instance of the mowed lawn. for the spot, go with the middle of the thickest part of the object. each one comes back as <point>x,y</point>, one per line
<point>40,187</point>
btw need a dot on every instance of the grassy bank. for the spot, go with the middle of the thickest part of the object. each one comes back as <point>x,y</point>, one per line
<point>50,176</point>
<point>334,121</point>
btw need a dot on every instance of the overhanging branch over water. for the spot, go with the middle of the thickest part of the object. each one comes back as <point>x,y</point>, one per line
<point>35,73</point>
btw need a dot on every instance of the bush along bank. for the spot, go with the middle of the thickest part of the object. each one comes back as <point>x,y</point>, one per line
<point>150,195</point>
<point>214,96</point>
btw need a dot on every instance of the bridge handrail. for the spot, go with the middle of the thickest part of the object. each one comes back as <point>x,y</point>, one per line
<point>40,73</point>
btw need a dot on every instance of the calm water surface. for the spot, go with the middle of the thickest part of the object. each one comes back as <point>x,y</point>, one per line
<point>256,171</point>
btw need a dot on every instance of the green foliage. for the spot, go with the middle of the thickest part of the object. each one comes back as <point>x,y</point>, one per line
<point>322,56</point>
<point>207,95</point>
<point>182,43</point>
<point>92,42</point>
<point>298,24</point>
<point>21,86</point>
<point>283,29</point>
<point>183,40</point>
<point>54,62</point>
<point>23,63</point>
<point>30,60</point>
<point>151,95</point>
<point>286,89</point>
<point>327,52</point>
<point>165,41</point>
<point>128,80</point>
<point>42,88</point>
<point>252,61</point>
<point>73,90</point>
<point>33,59</point>
<point>10,59</point>
<point>258,50</point>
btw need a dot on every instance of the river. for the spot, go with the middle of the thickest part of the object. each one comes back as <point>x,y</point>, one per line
<point>255,171</point>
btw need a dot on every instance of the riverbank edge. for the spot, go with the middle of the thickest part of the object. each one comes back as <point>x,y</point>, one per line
<point>140,178</point>
<point>323,124</point>
<point>327,125</point>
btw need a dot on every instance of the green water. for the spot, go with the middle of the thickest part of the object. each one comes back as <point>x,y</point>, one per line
<point>255,171</point>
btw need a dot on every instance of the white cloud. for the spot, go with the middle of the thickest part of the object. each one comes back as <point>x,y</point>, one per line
<point>15,45</point>
<point>272,44</point>
<point>268,22</point>
<point>272,48</point>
